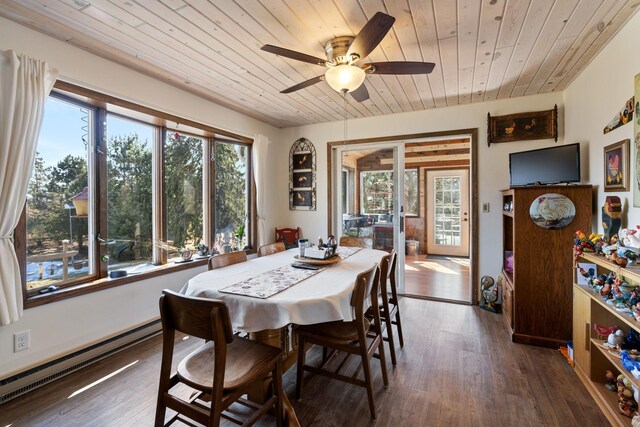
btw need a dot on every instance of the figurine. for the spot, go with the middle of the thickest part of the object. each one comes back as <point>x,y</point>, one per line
<point>489,293</point>
<point>615,339</point>
<point>604,332</point>
<point>611,216</point>
<point>629,238</point>
<point>611,384</point>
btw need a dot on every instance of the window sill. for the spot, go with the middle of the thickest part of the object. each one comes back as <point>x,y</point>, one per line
<point>106,283</point>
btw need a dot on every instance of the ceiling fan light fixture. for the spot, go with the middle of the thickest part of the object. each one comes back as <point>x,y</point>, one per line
<point>344,78</point>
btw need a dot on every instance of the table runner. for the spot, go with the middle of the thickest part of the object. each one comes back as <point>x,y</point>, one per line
<point>271,282</point>
<point>279,279</point>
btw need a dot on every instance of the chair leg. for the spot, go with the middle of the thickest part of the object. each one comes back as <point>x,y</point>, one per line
<point>383,363</point>
<point>325,352</point>
<point>392,345</point>
<point>161,410</point>
<point>279,392</point>
<point>300,367</point>
<point>399,325</point>
<point>366,368</point>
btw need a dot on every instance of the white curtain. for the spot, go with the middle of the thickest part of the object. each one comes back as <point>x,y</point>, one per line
<point>259,149</point>
<point>25,84</point>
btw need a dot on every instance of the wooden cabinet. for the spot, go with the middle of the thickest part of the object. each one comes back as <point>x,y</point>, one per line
<point>590,357</point>
<point>538,294</point>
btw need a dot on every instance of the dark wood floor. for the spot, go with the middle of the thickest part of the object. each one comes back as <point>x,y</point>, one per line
<point>437,277</point>
<point>458,368</point>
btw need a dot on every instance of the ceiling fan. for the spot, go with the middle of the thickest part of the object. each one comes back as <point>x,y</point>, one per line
<point>344,73</point>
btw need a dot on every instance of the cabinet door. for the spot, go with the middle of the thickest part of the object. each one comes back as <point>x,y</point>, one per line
<point>507,304</point>
<point>582,330</point>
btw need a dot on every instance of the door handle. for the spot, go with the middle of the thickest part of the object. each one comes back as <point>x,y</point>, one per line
<point>401,223</point>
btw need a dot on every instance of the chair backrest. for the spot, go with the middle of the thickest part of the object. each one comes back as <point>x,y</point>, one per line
<point>359,242</point>
<point>387,269</point>
<point>287,235</point>
<point>392,277</point>
<point>270,249</point>
<point>230,258</point>
<point>366,286</point>
<point>199,317</point>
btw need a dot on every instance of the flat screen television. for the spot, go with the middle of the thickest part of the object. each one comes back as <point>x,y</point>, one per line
<point>553,165</point>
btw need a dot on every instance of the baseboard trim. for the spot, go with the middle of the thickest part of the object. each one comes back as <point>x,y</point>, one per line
<point>30,379</point>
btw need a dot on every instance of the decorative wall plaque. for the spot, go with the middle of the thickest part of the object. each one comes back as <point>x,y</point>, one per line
<point>302,176</point>
<point>552,210</point>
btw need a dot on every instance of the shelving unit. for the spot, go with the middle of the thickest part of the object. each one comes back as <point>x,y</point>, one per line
<point>536,296</point>
<point>590,357</point>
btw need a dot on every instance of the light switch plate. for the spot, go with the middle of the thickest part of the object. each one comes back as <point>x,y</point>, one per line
<point>485,207</point>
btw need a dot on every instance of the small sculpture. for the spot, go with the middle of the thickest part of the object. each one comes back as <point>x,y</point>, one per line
<point>611,384</point>
<point>615,339</point>
<point>632,340</point>
<point>489,292</point>
<point>626,403</point>
<point>604,332</point>
<point>611,216</point>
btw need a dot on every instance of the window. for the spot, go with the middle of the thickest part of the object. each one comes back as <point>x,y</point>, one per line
<point>377,192</point>
<point>184,191</point>
<point>411,193</point>
<point>231,196</point>
<point>129,193</point>
<point>447,209</point>
<point>59,214</point>
<point>122,189</point>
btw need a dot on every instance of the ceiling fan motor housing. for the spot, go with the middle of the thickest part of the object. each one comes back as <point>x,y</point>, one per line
<point>336,50</point>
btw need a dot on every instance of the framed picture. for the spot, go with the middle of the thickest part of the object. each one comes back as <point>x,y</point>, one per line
<point>616,166</point>
<point>302,179</point>
<point>302,198</point>
<point>523,126</point>
<point>302,161</point>
<point>302,176</point>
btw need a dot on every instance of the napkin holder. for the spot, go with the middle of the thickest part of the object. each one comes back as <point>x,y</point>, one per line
<point>316,253</point>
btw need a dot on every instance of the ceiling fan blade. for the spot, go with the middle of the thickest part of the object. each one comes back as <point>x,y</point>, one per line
<point>304,84</point>
<point>361,94</point>
<point>371,34</point>
<point>399,67</point>
<point>298,56</point>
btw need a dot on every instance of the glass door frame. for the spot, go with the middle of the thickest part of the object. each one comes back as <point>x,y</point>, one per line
<point>398,148</point>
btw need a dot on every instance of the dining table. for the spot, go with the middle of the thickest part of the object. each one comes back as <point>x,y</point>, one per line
<point>316,296</point>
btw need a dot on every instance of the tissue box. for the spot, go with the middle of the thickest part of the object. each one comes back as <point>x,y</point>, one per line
<point>315,253</point>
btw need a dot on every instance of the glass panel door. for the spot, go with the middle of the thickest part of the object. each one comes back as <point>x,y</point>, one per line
<point>366,202</point>
<point>447,212</point>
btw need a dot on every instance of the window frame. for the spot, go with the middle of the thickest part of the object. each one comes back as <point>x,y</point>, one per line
<point>101,105</point>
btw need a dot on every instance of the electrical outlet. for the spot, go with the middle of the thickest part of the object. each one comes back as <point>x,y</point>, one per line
<point>485,207</point>
<point>21,341</point>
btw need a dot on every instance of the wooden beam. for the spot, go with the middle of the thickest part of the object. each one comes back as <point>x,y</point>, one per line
<point>431,158</point>
<point>445,164</point>
<point>411,148</point>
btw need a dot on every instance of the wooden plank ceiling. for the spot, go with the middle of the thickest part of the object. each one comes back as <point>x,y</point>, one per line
<point>447,153</point>
<point>483,49</point>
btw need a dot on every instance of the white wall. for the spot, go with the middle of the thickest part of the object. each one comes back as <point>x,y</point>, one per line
<point>64,326</point>
<point>493,162</point>
<point>593,99</point>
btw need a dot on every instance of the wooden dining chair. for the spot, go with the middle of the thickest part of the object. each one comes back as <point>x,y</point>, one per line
<point>394,302</point>
<point>349,337</point>
<point>220,371</point>
<point>223,260</point>
<point>359,242</point>
<point>288,236</point>
<point>388,297</point>
<point>271,249</point>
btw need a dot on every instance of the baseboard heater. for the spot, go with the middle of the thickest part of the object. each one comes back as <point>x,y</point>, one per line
<point>23,382</point>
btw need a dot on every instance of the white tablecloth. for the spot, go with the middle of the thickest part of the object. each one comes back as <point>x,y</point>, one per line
<point>324,297</point>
